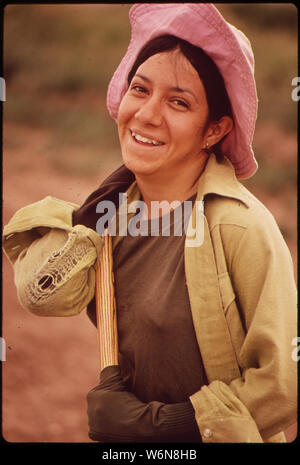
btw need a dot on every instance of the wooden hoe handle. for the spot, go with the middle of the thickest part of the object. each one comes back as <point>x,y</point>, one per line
<point>106,307</point>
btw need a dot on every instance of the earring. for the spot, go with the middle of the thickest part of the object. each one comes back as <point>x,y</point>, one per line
<point>206,147</point>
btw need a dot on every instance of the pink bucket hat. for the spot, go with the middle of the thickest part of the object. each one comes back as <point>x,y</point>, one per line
<point>202,25</point>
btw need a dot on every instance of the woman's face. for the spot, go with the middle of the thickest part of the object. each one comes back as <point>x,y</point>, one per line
<point>162,117</point>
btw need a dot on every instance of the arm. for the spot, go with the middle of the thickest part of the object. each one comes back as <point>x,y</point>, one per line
<point>117,415</point>
<point>53,261</point>
<point>261,272</point>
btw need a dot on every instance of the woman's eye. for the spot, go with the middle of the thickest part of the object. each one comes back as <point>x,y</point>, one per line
<point>137,88</point>
<point>180,103</point>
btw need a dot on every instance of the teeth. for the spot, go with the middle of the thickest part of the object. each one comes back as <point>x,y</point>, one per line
<point>145,140</point>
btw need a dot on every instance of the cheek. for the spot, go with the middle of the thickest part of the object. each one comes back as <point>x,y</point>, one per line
<point>197,127</point>
<point>125,111</point>
<point>121,114</point>
<point>188,133</point>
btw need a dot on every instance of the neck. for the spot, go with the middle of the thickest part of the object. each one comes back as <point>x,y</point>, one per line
<point>179,187</point>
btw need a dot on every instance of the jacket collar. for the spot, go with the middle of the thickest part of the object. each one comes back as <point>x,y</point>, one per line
<point>219,178</point>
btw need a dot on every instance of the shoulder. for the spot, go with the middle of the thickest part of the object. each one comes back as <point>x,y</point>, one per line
<point>247,224</point>
<point>246,232</point>
<point>244,211</point>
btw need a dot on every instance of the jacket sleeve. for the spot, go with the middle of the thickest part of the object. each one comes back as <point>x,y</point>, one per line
<point>54,262</point>
<point>264,294</point>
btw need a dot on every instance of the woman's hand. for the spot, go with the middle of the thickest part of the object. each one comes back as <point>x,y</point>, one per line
<point>116,415</point>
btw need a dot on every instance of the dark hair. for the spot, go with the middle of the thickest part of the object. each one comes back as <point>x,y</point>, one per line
<point>216,94</point>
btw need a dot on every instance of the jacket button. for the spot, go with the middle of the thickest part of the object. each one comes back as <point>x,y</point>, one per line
<point>207,433</point>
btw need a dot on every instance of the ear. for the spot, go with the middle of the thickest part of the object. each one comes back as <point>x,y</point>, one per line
<point>217,130</point>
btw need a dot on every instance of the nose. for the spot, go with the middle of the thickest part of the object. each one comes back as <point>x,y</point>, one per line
<point>150,112</point>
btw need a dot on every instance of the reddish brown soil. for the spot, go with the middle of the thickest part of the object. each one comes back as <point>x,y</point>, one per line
<point>51,363</point>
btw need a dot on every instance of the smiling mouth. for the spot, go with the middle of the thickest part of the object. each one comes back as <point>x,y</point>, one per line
<point>145,140</point>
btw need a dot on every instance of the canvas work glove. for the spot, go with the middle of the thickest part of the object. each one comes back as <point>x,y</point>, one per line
<point>116,415</point>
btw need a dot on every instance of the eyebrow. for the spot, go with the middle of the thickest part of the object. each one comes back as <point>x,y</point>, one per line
<point>174,89</point>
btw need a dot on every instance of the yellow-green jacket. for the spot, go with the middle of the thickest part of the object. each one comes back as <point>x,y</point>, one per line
<point>242,295</point>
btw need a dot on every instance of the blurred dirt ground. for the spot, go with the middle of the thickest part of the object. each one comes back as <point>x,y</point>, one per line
<point>51,363</point>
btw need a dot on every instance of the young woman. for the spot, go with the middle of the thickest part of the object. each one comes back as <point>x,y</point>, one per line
<point>205,318</point>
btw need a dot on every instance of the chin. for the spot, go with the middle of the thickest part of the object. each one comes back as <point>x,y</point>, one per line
<point>139,167</point>
<point>139,170</point>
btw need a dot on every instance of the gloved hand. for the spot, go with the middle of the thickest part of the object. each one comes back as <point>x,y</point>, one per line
<point>116,415</point>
